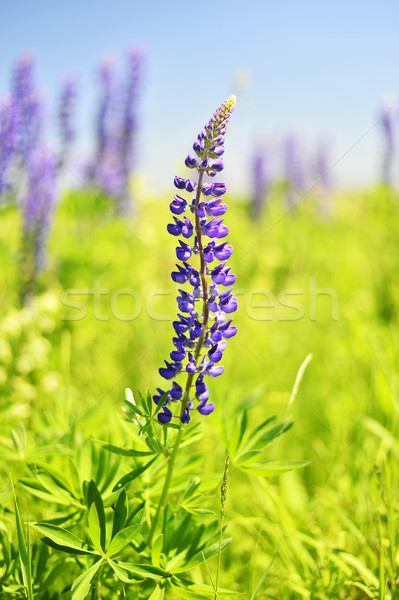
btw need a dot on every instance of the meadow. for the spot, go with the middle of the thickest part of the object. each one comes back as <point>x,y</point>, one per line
<point>319,519</point>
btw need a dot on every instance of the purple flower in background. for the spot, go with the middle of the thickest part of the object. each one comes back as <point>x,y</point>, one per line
<point>116,129</point>
<point>66,115</point>
<point>387,126</point>
<point>203,325</point>
<point>294,171</point>
<point>28,106</point>
<point>106,77</point>
<point>106,170</point>
<point>8,138</point>
<point>260,180</point>
<point>38,208</point>
<point>129,120</point>
<point>322,176</point>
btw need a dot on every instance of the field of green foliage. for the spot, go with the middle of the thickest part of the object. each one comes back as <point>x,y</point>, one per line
<point>317,292</point>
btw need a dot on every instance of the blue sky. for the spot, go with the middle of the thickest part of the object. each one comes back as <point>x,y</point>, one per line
<point>315,68</point>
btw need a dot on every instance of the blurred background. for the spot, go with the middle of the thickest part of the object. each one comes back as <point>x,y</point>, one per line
<point>319,71</point>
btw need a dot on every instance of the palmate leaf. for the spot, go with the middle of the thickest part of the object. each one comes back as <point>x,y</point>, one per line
<point>274,468</point>
<point>81,585</point>
<point>62,539</point>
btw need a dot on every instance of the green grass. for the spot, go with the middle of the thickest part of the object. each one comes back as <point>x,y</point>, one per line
<point>326,531</point>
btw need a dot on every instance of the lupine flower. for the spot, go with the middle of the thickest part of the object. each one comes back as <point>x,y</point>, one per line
<point>66,115</point>
<point>8,137</point>
<point>387,124</point>
<point>294,171</point>
<point>202,325</point>
<point>322,176</point>
<point>27,105</point>
<point>260,180</point>
<point>38,208</point>
<point>106,168</point>
<point>129,121</point>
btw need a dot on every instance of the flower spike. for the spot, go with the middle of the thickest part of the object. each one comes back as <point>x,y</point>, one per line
<point>204,326</point>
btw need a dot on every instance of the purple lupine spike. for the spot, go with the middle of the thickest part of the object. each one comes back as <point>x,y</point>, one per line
<point>203,328</point>
<point>322,175</point>
<point>103,167</point>
<point>28,106</point>
<point>387,126</point>
<point>66,111</point>
<point>135,58</point>
<point>294,171</point>
<point>8,139</point>
<point>260,180</point>
<point>38,209</point>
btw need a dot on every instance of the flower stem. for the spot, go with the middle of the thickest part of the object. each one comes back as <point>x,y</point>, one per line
<point>168,479</point>
<point>204,283</point>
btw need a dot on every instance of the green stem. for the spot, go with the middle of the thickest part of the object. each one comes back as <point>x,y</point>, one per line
<point>168,479</point>
<point>219,556</point>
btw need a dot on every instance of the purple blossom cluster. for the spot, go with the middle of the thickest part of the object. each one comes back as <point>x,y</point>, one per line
<point>8,138</point>
<point>66,110</point>
<point>387,119</point>
<point>28,107</point>
<point>203,324</point>
<point>261,182</point>
<point>116,128</point>
<point>294,170</point>
<point>37,208</point>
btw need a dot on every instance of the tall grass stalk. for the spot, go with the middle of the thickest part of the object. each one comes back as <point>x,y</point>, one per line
<point>223,496</point>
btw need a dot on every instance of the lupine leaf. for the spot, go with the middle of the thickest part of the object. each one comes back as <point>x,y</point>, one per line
<point>122,539</point>
<point>95,529</point>
<point>189,595</point>
<point>202,587</point>
<point>149,571</point>
<point>24,553</point>
<point>94,497</point>
<point>123,451</point>
<point>81,585</point>
<point>120,513</point>
<point>157,594</point>
<point>153,445</point>
<point>63,539</point>
<point>60,494</point>
<point>156,550</point>
<point>132,475</point>
<point>246,457</point>
<point>201,556</point>
<point>274,468</point>
<point>122,574</point>
<point>56,475</point>
<point>37,489</point>
<point>258,440</point>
